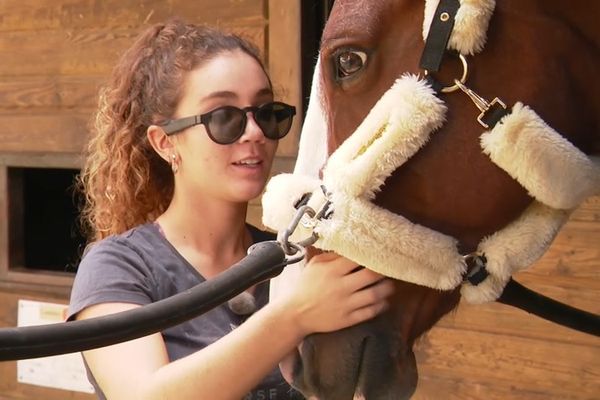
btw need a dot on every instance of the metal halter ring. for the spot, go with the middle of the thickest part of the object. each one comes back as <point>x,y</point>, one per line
<point>463,78</point>
<point>284,235</point>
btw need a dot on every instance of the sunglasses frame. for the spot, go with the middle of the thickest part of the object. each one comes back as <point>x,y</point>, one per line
<point>173,126</point>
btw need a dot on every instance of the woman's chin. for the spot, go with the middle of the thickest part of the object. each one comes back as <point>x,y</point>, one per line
<point>244,193</point>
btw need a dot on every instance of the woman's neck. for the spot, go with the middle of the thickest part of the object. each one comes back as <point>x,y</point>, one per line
<point>211,234</point>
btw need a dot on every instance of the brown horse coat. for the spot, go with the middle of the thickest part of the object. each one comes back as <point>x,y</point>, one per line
<point>542,53</point>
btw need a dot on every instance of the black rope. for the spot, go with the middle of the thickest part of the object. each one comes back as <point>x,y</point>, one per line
<point>519,296</point>
<point>439,34</point>
<point>265,261</point>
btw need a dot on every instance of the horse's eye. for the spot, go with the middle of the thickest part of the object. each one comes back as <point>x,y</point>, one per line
<point>349,62</point>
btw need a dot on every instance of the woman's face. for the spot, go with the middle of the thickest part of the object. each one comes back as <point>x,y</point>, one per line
<point>235,172</point>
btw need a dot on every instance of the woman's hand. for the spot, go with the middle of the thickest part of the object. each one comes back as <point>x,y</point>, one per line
<point>334,293</point>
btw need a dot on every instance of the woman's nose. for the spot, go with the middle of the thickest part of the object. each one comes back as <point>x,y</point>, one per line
<point>252,132</point>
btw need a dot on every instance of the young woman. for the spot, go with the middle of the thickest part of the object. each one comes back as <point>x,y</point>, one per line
<point>184,137</point>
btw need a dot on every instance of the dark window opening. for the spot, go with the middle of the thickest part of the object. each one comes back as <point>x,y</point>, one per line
<point>44,229</point>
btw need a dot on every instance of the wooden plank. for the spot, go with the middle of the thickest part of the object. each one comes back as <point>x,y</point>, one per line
<point>575,252</point>
<point>35,15</point>
<point>255,34</point>
<point>61,132</point>
<point>523,364</point>
<point>80,52</point>
<point>588,211</point>
<point>42,160</point>
<point>433,388</point>
<point>50,91</point>
<point>34,277</point>
<point>496,318</point>
<point>579,291</point>
<point>27,289</point>
<point>222,12</point>
<point>284,64</point>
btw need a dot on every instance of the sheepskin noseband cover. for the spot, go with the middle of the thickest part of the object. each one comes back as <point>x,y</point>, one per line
<point>394,130</point>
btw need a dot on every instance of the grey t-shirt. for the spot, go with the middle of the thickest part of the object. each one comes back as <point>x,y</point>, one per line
<point>140,266</point>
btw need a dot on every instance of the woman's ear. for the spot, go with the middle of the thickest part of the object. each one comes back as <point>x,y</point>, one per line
<point>161,143</point>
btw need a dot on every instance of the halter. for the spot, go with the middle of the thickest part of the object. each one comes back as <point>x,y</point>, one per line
<point>337,213</point>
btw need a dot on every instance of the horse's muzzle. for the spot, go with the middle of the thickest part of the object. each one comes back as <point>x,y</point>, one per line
<point>361,362</point>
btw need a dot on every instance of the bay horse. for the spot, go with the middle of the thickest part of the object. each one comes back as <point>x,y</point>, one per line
<point>450,188</point>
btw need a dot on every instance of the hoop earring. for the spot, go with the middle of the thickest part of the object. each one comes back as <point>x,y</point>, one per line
<point>174,163</point>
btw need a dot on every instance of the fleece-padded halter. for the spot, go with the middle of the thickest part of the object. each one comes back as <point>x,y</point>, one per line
<point>555,173</point>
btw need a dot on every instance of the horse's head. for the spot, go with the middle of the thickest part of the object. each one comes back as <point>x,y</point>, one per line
<point>541,53</point>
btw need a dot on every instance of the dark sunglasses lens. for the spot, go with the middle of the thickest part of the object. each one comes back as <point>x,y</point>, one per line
<point>226,125</point>
<point>275,119</point>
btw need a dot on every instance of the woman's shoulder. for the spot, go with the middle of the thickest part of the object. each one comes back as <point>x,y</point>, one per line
<point>116,269</point>
<point>135,249</point>
<point>139,237</point>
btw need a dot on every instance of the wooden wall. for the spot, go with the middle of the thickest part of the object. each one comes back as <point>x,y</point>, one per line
<point>54,55</point>
<point>496,352</point>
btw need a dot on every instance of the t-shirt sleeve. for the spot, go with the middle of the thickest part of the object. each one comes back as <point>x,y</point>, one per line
<point>111,271</point>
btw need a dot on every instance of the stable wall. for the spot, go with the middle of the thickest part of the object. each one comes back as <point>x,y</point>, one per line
<point>54,56</point>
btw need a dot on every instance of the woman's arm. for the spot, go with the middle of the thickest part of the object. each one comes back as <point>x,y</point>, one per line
<point>331,294</point>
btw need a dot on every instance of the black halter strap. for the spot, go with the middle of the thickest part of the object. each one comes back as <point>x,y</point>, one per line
<point>435,48</point>
<point>439,34</point>
<point>514,294</point>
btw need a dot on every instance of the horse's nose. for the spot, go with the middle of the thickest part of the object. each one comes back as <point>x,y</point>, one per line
<point>367,361</point>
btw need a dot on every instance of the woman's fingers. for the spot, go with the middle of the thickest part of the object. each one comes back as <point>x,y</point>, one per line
<point>366,313</point>
<point>334,292</point>
<point>361,278</point>
<point>337,264</point>
<point>374,295</point>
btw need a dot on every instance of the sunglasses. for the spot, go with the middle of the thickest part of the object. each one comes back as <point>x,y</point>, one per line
<point>225,125</point>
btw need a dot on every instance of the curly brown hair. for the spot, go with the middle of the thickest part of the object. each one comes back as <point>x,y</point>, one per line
<point>123,180</point>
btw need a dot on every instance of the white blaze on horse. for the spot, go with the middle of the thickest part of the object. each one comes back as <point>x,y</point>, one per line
<point>406,168</point>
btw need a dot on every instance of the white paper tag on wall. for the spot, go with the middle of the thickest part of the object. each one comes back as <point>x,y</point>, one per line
<point>65,371</point>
